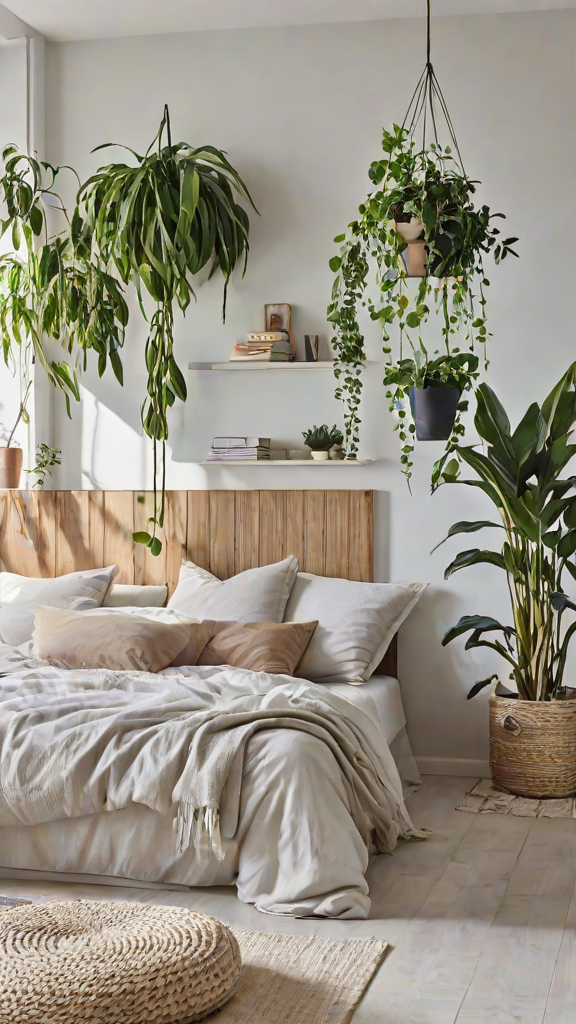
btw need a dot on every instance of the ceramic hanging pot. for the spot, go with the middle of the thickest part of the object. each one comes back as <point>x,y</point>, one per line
<point>434,412</point>
<point>414,255</point>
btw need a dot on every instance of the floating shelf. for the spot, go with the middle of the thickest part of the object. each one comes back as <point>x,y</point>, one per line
<point>327,364</point>
<point>338,463</point>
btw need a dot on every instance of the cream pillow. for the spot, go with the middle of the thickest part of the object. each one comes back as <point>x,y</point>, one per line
<point>20,596</point>
<point>356,623</point>
<point>122,595</point>
<point>106,639</point>
<point>274,647</point>
<point>256,595</point>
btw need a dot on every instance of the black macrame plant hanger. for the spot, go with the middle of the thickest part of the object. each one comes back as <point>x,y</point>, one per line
<point>428,105</point>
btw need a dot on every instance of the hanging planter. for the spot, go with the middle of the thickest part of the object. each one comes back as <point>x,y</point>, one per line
<point>434,411</point>
<point>428,240</point>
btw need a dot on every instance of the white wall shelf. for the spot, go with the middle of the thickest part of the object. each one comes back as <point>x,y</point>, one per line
<point>338,463</point>
<point>326,364</point>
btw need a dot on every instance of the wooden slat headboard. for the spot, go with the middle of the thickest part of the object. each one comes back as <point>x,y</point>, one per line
<point>48,533</point>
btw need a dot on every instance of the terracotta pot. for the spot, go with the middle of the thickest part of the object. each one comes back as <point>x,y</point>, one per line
<point>10,468</point>
<point>533,747</point>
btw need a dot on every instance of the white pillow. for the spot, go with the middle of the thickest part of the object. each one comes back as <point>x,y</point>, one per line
<point>20,595</point>
<point>121,595</point>
<point>256,595</point>
<point>356,623</point>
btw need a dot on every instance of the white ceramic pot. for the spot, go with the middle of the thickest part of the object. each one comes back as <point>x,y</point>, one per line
<point>321,456</point>
<point>410,230</point>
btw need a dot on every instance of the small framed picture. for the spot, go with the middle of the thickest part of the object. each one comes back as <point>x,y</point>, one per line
<point>278,316</point>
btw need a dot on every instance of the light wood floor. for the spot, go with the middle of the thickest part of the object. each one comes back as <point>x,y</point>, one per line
<point>481,918</point>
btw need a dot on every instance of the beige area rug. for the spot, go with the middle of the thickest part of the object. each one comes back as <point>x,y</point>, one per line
<point>483,798</point>
<point>287,979</point>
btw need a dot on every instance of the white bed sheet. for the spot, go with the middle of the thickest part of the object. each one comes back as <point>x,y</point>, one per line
<point>138,844</point>
<point>380,695</point>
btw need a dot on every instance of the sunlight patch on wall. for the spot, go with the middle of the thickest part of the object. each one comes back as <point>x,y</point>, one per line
<point>113,455</point>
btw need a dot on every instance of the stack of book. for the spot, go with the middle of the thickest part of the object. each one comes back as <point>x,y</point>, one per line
<point>267,346</point>
<point>239,449</point>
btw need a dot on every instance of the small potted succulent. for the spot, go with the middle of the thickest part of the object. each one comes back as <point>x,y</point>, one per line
<point>321,439</point>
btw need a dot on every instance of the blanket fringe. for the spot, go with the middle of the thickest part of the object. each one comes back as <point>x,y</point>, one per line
<point>199,826</point>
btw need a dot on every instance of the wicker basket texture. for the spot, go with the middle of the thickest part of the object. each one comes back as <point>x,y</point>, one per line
<point>533,747</point>
<point>118,963</point>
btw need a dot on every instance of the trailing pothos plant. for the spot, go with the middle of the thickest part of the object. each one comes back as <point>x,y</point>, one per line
<point>51,288</point>
<point>156,222</point>
<point>523,473</point>
<point>427,187</point>
<point>459,371</point>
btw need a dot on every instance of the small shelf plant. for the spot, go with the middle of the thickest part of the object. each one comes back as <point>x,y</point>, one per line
<point>321,439</point>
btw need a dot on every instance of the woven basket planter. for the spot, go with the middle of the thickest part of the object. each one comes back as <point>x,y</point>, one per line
<point>533,747</point>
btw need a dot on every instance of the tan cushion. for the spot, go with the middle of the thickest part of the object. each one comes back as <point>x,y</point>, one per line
<point>106,639</point>
<point>274,647</point>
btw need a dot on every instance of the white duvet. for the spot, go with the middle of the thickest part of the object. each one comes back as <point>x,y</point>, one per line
<point>278,780</point>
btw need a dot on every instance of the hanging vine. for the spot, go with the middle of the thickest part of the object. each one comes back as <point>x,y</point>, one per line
<point>422,196</point>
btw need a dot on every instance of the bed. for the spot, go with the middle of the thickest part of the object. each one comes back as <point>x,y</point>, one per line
<point>282,856</point>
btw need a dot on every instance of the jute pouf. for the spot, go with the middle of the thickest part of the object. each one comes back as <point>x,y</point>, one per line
<point>115,963</point>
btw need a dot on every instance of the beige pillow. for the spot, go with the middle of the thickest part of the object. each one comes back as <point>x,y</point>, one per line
<point>105,639</point>
<point>274,647</point>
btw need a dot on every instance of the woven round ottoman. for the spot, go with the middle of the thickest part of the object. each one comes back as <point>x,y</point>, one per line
<point>114,963</point>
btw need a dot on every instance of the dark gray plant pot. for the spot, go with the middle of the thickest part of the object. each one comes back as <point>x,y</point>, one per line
<point>434,412</point>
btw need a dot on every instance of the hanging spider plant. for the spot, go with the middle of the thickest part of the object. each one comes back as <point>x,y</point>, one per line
<point>156,223</point>
<point>50,287</point>
<point>427,239</point>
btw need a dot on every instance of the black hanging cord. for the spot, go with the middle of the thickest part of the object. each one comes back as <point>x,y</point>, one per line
<point>426,98</point>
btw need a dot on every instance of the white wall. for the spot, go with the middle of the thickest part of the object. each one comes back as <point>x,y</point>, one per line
<point>13,128</point>
<point>300,111</point>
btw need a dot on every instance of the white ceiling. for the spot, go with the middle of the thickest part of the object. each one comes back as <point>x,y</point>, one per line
<point>97,19</point>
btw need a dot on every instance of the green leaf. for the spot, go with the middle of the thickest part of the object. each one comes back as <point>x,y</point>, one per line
<point>530,434</point>
<point>567,546</point>
<point>468,527</point>
<point>481,685</point>
<point>474,557</point>
<point>141,537</point>
<point>481,623</point>
<point>155,546</point>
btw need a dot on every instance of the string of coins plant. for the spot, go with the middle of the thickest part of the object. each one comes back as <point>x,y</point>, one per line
<point>427,185</point>
<point>422,196</point>
<point>156,223</point>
